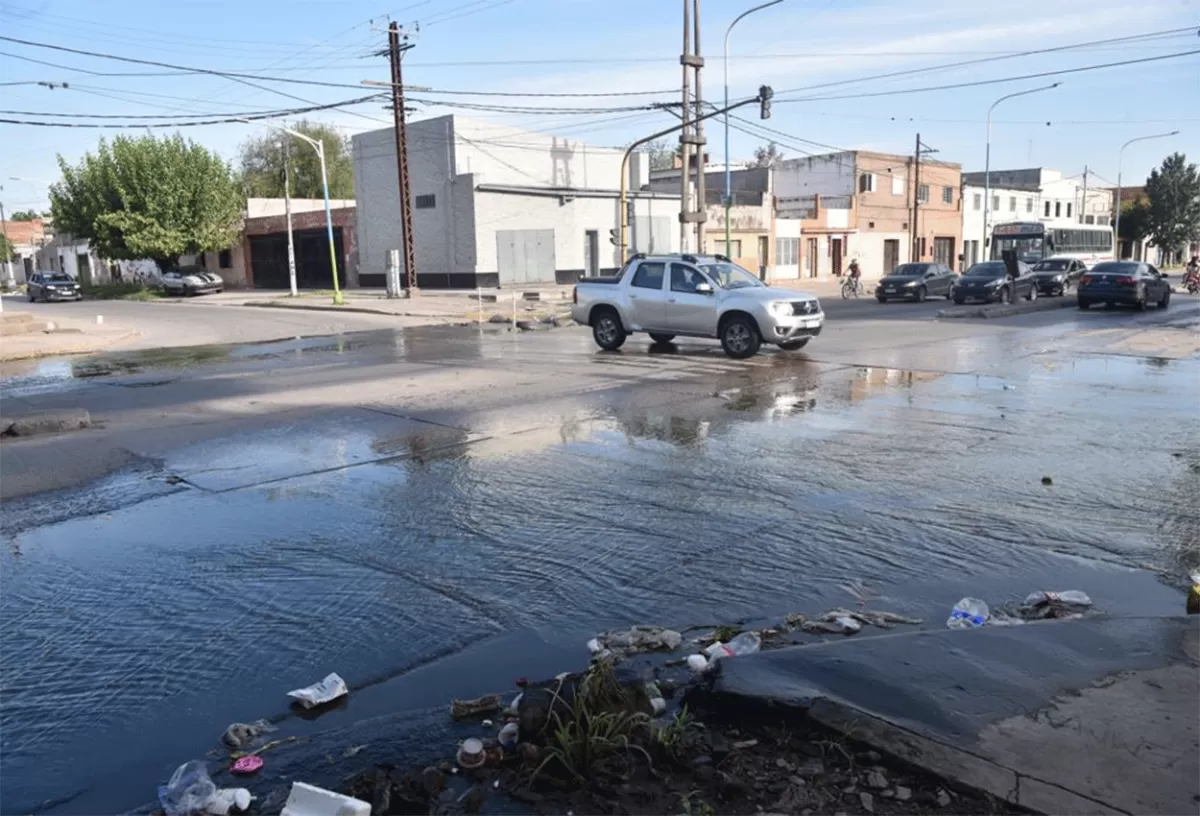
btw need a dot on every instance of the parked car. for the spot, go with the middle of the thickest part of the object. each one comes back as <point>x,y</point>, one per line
<point>1056,275</point>
<point>695,296</point>
<point>191,280</point>
<point>50,286</point>
<point>989,281</point>
<point>916,281</point>
<point>1124,283</point>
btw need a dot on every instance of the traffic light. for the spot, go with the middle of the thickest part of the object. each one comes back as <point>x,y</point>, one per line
<point>614,236</point>
<point>764,101</point>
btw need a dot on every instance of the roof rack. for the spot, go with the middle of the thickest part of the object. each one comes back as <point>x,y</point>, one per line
<point>689,258</point>
<point>720,257</point>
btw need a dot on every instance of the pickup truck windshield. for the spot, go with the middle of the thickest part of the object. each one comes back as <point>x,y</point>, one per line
<point>730,276</point>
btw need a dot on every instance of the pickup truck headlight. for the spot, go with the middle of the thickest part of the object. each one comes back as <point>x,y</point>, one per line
<point>781,308</point>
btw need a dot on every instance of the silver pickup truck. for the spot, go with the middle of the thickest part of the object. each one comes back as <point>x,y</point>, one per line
<point>695,296</point>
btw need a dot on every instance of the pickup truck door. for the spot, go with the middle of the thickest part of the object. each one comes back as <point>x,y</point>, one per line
<point>648,297</point>
<point>688,311</point>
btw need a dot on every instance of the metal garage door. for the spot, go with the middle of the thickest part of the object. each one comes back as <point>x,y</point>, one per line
<point>525,256</point>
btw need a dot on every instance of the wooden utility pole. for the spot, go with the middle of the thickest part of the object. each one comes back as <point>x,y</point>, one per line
<point>915,251</point>
<point>395,52</point>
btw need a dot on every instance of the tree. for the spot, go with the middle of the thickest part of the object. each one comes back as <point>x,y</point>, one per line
<point>25,215</point>
<point>7,250</point>
<point>1135,223</point>
<point>144,197</point>
<point>768,155</point>
<point>1173,211</point>
<point>662,154</point>
<point>262,159</point>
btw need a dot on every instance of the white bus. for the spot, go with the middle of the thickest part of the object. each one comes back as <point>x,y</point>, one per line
<point>1034,241</point>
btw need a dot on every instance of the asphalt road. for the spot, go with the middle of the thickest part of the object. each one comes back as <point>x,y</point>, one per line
<point>432,512</point>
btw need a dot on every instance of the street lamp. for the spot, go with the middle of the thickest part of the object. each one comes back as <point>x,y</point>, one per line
<point>728,178</point>
<point>1117,203</point>
<point>320,148</point>
<point>987,160</point>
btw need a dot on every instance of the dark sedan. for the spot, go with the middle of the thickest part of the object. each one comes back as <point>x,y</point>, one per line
<point>916,281</point>
<point>989,281</point>
<point>1124,283</point>
<point>1056,275</point>
<point>50,286</point>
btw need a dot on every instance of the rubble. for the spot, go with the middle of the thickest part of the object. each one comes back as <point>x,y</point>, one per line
<point>622,643</point>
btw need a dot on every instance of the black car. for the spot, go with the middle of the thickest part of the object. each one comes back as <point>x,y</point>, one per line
<point>50,286</point>
<point>1124,283</point>
<point>916,281</point>
<point>1056,275</point>
<point>989,281</point>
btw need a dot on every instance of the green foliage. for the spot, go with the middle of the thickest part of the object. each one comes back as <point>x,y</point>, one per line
<point>122,291</point>
<point>262,163</point>
<point>662,154</point>
<point>768,155</point>
<point>144,197</point>
<point>673,737</point>
<point>726,633</point>
<point>1173,214</point>
<point>7,250</point>
<point>1135,220</point>
<point>25,215</point>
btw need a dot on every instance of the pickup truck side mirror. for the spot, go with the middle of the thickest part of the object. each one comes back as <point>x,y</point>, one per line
<point>704,289</point>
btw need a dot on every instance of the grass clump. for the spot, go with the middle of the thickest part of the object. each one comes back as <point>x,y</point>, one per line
<point>122,291</point>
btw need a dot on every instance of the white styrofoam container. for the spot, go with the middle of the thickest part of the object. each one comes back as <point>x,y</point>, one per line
<point>309,800</point>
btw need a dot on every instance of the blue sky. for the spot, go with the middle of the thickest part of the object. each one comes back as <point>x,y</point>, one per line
<point>605,46</point>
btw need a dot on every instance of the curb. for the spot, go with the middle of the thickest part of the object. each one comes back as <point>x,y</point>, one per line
<point>88,348</point>
<point>1039,305</point>
<point>45,422</point>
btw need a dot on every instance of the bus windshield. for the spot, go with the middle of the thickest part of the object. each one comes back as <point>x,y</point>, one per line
<point>1029,248</point>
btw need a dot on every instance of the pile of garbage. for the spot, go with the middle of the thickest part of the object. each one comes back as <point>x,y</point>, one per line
<point>971,613</point>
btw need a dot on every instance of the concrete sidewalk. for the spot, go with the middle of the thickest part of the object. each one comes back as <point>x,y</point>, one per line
<point>62,337</point>
<point>1064,717</point>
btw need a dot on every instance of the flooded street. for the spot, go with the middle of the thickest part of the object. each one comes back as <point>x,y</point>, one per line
<point>474,506</point>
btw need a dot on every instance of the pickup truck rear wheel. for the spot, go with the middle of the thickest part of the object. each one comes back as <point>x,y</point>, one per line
<point>607,330</point>
<point>739,337</point>
<point>661,339</point>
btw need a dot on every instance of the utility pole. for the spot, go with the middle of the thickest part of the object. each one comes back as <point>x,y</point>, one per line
<point>395,51</point>
<point>287,208</point>
<point>915,252</point>
<point>8,282</point>
<point>1083,204</point>
<point>698,124</point>
<point>685,143</point>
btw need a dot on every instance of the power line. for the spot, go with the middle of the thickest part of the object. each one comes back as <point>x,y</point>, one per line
<point>1053,49</point>
<point>982,82</point>
<point>223,120</point>
<point>447,16</point>
<point>530,109</point>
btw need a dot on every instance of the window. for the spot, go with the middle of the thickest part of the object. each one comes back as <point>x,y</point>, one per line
<point>996,202</point>
<point>1047,209</point>
<point>731,250</point>
<point>923,194</point>
<point>787,251</point>
<point>425,202</point>
<point>899,185</point>
<point>1029,204</point>
<point>225,259</point>
<point>866,183</point>
<point>978,201</point>
<point>1012,203</point>
<point>1057,209</point>
<point>1089,219</point>
<point>1068,209</point>
<point>649,275</point>
<point>684,279</point>
<point>947,195</point>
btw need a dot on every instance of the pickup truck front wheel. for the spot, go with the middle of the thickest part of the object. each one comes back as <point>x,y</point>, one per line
<point>607,330</point>
<point>739,337</point>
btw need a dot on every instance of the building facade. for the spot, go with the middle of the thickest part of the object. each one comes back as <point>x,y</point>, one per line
<point>877,208</point>
<point>28,239</point>
<point>1039,194</point>
<point>496,206</point>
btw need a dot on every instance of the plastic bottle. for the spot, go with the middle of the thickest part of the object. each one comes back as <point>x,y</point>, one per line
<point>969,613</point>
<point>744,644</point>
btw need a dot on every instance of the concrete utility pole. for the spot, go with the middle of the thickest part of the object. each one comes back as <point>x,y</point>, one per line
<point>1083,204</point>
<point>698,122</point>
<point>395,52</point>
<point>685,144</point>
<point>915,251</point>
<point>9,281</point>
<point>287,208</point>
<point>691,137</point>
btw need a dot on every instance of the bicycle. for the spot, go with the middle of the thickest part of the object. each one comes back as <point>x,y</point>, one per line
<point>851,286</point>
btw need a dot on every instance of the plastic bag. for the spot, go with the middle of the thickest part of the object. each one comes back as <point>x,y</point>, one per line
<point>189,792</point>
<point>969,613</point>
<point>317,694</point>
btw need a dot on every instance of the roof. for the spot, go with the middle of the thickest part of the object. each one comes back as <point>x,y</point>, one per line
<point>25,232</point>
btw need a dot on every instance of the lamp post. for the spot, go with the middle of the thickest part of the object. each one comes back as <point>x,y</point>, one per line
<point>987,161</point>
<point>320,148</point>
<point>728,177</point>
<point>1117,203</point>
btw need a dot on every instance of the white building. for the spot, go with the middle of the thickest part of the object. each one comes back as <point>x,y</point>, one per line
<point>1033,194</point>
<point>497,206</point>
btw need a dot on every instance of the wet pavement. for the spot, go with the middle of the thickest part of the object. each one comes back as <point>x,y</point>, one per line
<point>477,504</point>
